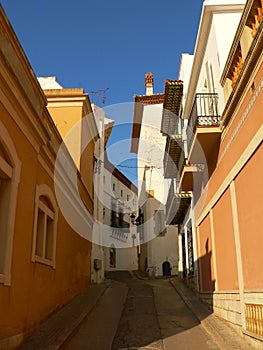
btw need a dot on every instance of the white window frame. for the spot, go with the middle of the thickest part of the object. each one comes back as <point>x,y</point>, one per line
<point>44,191</point>
<point>12,171</point>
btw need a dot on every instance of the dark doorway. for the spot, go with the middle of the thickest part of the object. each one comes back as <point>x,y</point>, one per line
<point>166,268</point>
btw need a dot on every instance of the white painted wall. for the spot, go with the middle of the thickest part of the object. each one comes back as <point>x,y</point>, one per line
<point>150,162</point>
<point>220,39</point>
<point>185,72</point>
<point>97,276</point>
<point>126,249</point>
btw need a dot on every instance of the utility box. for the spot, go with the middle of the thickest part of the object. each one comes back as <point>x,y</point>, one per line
<point>97,264</point>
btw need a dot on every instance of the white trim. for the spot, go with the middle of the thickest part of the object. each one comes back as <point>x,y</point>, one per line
<point>244,115</point>
<point>238,251</point>
<point>213,247</point>
<point>252,146</point>
<point>44,190</point>
<point>199,260</point>
<point>25,112</point>
<point>5,168</point>
<point>45,166</point>
<point>9,146</point>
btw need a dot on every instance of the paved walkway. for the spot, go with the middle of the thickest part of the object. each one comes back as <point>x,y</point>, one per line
<point>59,327</point>
<point>131,312</point>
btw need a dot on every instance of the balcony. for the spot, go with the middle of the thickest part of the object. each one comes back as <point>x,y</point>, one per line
<point>188,175</point>
<point>173,148</point>
<point>177,205</point>
<point>172,103</point>
<point>203,131</point>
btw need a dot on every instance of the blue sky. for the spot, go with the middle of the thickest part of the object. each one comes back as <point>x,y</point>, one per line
<point>106,44</point>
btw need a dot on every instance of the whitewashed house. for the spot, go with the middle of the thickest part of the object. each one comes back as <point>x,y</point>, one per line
<point>120,238</point>
<point>158,242</point>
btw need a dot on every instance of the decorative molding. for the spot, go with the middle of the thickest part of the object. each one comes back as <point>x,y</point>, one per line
<point>9,146</point>
<point>242,119</point>
<point>238,249</point>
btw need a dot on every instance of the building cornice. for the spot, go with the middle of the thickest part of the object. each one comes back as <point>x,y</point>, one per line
<point>250,65</point>
<point>139,102</point>
<point>210,8</point>
<point>149,99</point>
<point>74,97</point>
<point>236,41</point>
<point>13,52</point>
<point>136,126</point>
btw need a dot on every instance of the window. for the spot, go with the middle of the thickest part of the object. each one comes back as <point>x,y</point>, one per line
<point>190,249</point>
<point>160,229</point>
<point>5,188</point>
<point>114,216</point>
<point>121,193</point>
<point>113,257</point>
<point>128,198</point>
<point>44,245</point>
<point>10,169</point>
<point>113,187</point>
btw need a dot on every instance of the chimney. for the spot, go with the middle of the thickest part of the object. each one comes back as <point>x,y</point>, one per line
<point>149,83</point>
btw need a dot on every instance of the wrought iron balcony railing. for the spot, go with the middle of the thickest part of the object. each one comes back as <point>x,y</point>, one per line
<point>170,195</point>
<point>181,164</point>
<point>204,113</point>
<point>177,204</point>
<point>173,127</point>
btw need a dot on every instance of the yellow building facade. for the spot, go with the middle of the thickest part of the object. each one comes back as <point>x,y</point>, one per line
<point>44,262</point>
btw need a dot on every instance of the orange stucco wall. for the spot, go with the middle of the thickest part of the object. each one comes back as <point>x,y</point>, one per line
<point>249,194</point>
<point>227,278</point>
<point>37,289</point>
<point>248,183</point>
<point>65,118</point>
<point>236,138</point>
<point>68,120</point>
<point>205,256</point>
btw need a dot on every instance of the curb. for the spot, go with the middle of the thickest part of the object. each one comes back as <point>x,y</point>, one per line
<point>216,327</point>
<point>204,319</point>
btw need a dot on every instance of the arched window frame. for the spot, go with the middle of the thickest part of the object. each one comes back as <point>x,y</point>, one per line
<point>52,213</point>
<point>12,171</point>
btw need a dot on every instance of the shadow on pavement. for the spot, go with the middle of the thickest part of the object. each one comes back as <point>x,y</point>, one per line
<point>154,314</point>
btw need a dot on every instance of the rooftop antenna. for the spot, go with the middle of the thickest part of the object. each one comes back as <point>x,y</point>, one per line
<point>96,95</point>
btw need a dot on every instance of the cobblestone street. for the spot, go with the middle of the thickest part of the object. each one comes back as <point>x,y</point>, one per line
<point>155,317</point>
<point>142,314</point>
<point>129,312</point>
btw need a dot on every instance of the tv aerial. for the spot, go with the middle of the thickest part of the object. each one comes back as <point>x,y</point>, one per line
<point>97,95</point>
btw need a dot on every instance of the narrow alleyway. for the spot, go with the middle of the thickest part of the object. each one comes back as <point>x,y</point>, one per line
<point>140,314</point>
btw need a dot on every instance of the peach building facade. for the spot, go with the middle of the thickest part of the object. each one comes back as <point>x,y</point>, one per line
<point>233,204</point>
<point>222,170</point>
<point>44,262</point>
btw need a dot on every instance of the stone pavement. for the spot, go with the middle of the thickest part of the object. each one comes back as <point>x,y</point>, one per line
<point>97,331</point>
<point>107,316</point>
<point>156,318</point>
<point>59,327</point>
<point>225,336</point>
